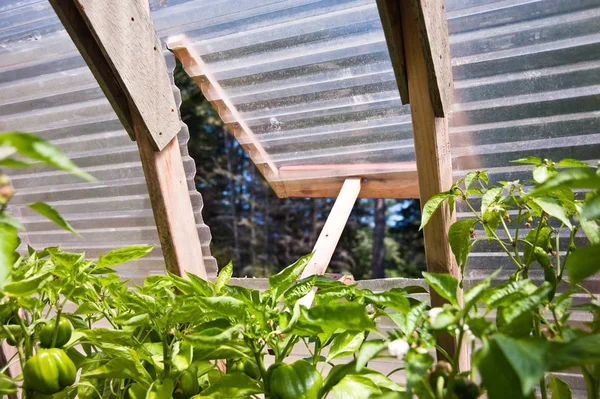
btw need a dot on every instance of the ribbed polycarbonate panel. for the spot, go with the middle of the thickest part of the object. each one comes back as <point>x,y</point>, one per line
<point>46,88</point>
<point>527,82</point>
<point>313,80</point>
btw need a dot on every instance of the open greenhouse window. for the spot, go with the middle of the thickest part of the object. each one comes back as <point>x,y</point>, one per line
<point>261,233</point>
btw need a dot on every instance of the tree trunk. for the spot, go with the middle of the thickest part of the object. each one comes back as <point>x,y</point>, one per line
<point>378,260</point>
<point>229,145</point>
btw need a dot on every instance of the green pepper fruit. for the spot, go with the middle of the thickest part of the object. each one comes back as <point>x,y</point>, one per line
<point>246,366</point>
<point>187,384</point>
<point>464,388</point>
<point>49,371</point>
<point>298,380</point>
<point>63,336</point>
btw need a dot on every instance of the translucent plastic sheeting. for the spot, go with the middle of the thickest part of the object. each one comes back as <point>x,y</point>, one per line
<point>313,80</point>
<point>46,88</point>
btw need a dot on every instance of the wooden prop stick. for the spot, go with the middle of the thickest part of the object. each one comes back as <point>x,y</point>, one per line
<point>333,228</point>
<point>434,163</point>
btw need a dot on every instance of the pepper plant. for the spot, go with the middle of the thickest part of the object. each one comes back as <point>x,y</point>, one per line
<point>516,322</point>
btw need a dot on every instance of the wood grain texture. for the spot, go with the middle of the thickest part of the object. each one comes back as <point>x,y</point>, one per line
<point>391,21</point>
<point>171,205</point>
<point>434,164</point>
<point>333,228</point>
<point>73,22</point>
<point>430,21</point>
<point>125,35</point>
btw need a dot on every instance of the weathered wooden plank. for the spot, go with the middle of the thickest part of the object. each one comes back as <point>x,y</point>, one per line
<point>73,22</point>
<point>134,68</point>
<point>431,23</point>
<point>434,163</point>
<point>391,20</point>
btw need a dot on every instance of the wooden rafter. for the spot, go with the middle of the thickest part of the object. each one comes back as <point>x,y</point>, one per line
<point>118,42</point>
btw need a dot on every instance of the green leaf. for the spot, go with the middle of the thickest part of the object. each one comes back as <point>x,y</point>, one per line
<point>444,284</point>
<point>225,306</point>
<point>161,389</point>
<point>470,178</point>
<point>122,255</point>
<point>572,163</point>
<point>459,236</point>
<point>213,337</point>
<point>298,291</point>
<point>36,148</point>
<point>345,344</point>
<point>432,205</point>
<point>120,367</point>
<point>581,351</point>
<point>543,241</point>
<point>9,241</point>
<point>583,263</point>
<point>223,278</point>
<point>559,388</point>
<point>201,285</point>
<point>554,209</point>
<point>528,358</point>
<point>591,230</point>
<point>14,164</point>
<point>9,219</point>
<point>368,351</point>
<point>355,387</point>
<point>591,209</point>
<point>529,161</point>
<point>396,300</point>
<point>475,292</point>
<point>541,173</point>
<point>349,316</point>
<point>568,179</point>
<point>25,287</point>
<point>281,281</point>
<point>234,385</point>
<point>7,385</point>
<point>497,373</point>
<point>46,210</point>
<point>489,197</point>
<point>417,365</point>
<point>526,305</point>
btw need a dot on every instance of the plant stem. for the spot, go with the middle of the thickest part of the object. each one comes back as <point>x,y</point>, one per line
<point>494,235</point>
<point>591,384</point>
<point>571,244</point>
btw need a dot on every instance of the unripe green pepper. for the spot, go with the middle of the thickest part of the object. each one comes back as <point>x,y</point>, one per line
<point>63,336</point>
<point>187,384</point>
<point>49,371</point>
<point>246,366</point>
<point>298,380</point>
<point>464,388</point>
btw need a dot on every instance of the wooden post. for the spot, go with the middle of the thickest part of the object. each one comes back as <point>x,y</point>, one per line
<point>434,162</point>
<point>118,42</point>
<point>333,228</point>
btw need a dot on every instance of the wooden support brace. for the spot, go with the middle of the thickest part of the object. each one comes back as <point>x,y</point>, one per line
<point>333,228</point>
<point>434,162</point>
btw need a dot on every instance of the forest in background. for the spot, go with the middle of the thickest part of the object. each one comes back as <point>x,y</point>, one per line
<point>262,233</point>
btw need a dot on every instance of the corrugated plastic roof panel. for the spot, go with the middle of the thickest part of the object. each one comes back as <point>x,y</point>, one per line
<point>310,81</point>
<point>46,88</point>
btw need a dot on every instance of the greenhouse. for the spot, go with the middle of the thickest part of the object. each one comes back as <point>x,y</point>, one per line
<point>125,125</point>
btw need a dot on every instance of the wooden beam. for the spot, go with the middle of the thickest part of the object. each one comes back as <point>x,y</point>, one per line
<point>118,41</point>
<point>193,64</point>
<point>434,162</point>
<point>391,21</point>
<point>333,228</point>
<point>431,25</point>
